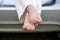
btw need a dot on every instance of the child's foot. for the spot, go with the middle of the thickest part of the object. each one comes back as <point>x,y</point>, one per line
<point>35,18</point>
<point>27,25</point>
<point>33,15</point>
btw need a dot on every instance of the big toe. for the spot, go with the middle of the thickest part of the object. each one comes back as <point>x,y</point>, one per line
<point>25,27</point>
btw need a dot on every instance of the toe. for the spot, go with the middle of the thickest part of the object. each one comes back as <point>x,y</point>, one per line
<point>25,27</point>
<point>39,19</point>
<point>33,28</point>
<point>28,28</point>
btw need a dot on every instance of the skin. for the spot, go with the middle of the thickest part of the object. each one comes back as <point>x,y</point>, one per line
<point>32,18</point>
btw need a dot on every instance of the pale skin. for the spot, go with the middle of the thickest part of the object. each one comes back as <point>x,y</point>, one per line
<point>32,18</point>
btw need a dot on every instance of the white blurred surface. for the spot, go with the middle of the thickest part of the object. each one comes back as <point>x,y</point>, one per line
<point>7,2</point>
<point>58,1</point>
<point>12,2</point>
<point>46,1</point>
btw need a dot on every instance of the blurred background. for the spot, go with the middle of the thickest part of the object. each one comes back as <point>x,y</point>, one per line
<point>10,3</point>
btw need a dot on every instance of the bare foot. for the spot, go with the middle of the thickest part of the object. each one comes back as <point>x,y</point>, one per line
<point>35,18</point>
<point>27,25</point>
<point>33,15</point>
